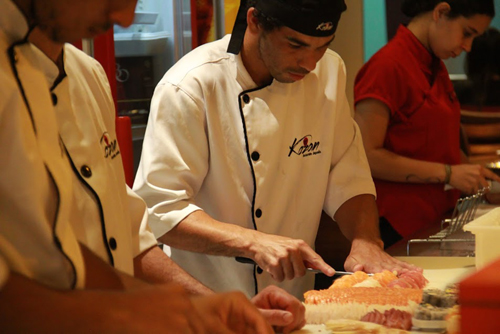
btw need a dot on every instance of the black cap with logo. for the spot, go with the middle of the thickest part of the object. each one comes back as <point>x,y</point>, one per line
<point>317,18</point>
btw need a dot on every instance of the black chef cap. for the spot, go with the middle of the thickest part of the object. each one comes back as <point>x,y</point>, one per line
<point>317,18</point>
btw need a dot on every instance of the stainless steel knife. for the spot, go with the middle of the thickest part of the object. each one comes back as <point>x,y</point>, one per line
<point>316,271</point>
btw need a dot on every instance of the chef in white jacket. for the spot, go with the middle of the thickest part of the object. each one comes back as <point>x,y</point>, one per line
<point>64,198</point>
<point>248,140</point>
<point>106,216</point>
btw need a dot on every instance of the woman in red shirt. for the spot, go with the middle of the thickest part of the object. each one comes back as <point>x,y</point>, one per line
<point>409,116</point>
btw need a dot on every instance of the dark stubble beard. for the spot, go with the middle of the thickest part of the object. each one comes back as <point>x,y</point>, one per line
<point>56,32</point>
<point>278,76</point>
<point>263,56</point>
<point>37,13</point>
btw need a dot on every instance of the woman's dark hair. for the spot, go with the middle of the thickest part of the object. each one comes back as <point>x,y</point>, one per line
<point>466,8</point>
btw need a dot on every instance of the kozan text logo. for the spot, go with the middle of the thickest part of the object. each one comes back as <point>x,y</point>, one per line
<point>304,146</point>
<point>110,146</point>
<point>325,26</point>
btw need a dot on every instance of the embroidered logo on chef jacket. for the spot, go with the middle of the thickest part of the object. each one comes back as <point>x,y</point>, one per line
<point>110,146</point>
<point>304,147</point>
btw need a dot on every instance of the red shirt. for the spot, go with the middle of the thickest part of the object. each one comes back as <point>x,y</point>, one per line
<point>424,124</point>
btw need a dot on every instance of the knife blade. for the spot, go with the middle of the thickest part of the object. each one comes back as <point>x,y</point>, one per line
<point>316,271</point>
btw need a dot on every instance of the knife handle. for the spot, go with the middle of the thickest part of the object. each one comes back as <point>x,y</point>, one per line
<point>250,261</point>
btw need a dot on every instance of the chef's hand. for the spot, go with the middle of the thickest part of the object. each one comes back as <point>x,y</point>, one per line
<point>282,310</point>
<point>230,313</point>
<point>285,258</point>
<point>470,178</point>
<point>370,257</point>
<point>144,308</point>
<point>169,308</point>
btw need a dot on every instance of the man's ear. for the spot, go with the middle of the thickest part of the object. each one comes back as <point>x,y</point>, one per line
<point>441,10</point>
<point>252,22</point>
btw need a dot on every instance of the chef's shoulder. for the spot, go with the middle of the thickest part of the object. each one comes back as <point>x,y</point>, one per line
<point>203,66</point>
<point>89,86</point>
<point>78,63</point>
<point>332,57</point>
<point>331,65</point>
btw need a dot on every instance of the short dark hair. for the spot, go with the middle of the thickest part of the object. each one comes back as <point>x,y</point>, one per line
<point>466,8</point>
<point>266,22</point>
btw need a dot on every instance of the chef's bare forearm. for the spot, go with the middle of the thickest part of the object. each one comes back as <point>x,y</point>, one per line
<point>100,275</point>
<point>199,232</point>
<point>358,219</point>
<point>27,306</point>
<point>154,266</point>
<point>48,310</point>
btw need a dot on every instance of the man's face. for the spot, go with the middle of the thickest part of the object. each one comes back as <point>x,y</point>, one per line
<point>289,55</point>
<point>71,20</point>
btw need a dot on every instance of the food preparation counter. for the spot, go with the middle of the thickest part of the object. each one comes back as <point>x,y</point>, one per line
<point>440,271</point>
<point>448,260</point>
<point>460,243</point>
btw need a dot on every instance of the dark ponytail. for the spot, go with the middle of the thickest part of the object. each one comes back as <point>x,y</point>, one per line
<point>466,8</point>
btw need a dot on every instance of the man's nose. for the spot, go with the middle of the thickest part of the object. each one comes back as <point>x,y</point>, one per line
<point>309,62</point>
<point>123,14</point>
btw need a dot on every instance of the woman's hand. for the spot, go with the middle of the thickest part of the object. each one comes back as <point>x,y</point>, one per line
<point>470,178</point>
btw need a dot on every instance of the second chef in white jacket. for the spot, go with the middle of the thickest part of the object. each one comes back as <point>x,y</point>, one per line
<point>243,152</point>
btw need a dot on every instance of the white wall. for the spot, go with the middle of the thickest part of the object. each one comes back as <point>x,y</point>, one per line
<point>348,43</point>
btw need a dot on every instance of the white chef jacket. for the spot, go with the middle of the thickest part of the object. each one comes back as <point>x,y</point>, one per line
<point>36,238</point>
<point>106,216</point>
<point>266,158</point>
<point>87,128</point>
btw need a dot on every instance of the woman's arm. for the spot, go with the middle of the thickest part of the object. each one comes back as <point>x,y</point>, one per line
<point>372,117</point>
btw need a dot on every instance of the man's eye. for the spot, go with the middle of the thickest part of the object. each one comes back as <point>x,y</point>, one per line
<point>295,46</point>
<point>467,34</point>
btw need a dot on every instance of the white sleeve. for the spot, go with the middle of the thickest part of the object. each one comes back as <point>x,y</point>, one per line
<point>174,159</point>
<point>142,237</point>
<point>350,173</point>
